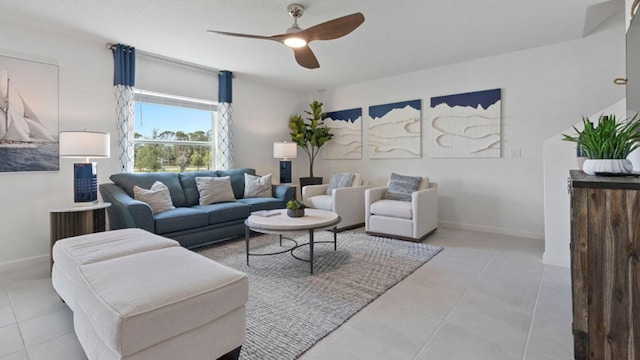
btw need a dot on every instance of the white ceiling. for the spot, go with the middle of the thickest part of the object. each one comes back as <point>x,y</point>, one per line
<point>397,37</point>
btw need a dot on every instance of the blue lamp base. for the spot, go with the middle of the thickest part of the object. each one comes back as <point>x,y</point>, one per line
<point>285,172</point>
<point>85,182</point>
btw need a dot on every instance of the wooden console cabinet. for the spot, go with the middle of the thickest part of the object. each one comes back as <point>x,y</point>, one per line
<point>605,266</point>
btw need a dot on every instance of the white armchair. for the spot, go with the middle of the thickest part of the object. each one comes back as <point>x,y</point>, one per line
<point>348,202</point>
<point>406,220</point>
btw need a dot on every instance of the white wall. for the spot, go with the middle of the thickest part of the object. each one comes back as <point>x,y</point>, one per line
<point>260,118</point>
<point>86,100</point>
<point>544,90</point>
<point>559,159</point>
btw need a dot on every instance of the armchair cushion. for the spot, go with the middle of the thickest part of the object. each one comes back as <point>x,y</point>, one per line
<point>339,180</point>
<point>324,202</point>
<point>401,187</point>
<point>392,208</point>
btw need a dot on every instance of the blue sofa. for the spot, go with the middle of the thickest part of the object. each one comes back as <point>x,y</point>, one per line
<point>189,223</point>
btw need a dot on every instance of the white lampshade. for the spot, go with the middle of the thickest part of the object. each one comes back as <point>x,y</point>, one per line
<point>84,144</point>
<point>285,150</point>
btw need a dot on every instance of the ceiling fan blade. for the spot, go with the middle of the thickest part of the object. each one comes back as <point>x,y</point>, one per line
<point>306,58</point>
<point>335,28</point>
<point>241,35</point>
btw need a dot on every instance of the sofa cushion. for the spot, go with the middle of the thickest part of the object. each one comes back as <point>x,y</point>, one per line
<point>214,190</point>
<point>237,179</point>
<point>223,212</point>
<point>137,301</point>
<point>145,180</point>
<point>71,253</point>
<point>265,203</point>
<point>158,197</point>
<point>180,219</point>
<point>188,182</point>
<point>392,208</point>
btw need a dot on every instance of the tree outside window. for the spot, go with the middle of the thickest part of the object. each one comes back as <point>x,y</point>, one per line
<point>172,133</point>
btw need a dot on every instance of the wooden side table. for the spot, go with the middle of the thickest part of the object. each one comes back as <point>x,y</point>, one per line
<point>77,220</point>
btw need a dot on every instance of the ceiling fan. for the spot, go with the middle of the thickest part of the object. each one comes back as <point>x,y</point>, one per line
<point>298,39</point>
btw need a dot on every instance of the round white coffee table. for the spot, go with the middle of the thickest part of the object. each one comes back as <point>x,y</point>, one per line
<point>314,219</point>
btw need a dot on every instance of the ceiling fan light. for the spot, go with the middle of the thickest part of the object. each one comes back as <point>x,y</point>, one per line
<point>295,42</point>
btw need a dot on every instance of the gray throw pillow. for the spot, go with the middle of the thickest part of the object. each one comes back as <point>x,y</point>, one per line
<point>214,189</point>
<point>257,186</point>
<point>401,187</point>
<point>157,197</point>
<point>339,180</point>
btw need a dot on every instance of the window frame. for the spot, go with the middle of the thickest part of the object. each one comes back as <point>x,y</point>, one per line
<point>158,98</point>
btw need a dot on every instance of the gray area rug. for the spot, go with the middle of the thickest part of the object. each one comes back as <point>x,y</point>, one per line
<point>289,309</point>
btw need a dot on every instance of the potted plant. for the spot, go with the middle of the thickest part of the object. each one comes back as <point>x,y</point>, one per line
<point>310,134</point>
<point>295,208</point>
<point>607,145</point>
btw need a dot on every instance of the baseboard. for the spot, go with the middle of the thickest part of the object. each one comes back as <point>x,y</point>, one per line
<point>24,262</point>
<point>555,260</point>
<point>491,229</point>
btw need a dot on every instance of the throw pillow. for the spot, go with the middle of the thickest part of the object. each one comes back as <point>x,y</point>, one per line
<point>214,189</point>
<point>158,197</point>
<point>401,187</point>
<point>257,186</point>
<point>339,180</point>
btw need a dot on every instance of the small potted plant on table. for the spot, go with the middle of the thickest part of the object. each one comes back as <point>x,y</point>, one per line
<point>295,208</point>
<point>607,146</point>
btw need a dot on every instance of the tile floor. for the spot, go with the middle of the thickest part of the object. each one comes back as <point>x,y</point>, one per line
<point>485,296</point>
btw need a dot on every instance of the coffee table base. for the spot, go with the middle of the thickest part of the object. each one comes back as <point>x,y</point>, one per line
<point>311,243</point>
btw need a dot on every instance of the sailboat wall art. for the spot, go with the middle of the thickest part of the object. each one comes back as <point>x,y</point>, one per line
<point>28,115</point>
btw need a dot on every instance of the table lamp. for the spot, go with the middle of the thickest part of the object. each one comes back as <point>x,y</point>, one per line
<point>84,145</point>
<point>285,150</point>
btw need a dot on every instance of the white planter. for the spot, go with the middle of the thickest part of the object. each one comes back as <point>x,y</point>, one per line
<point>610,166</point>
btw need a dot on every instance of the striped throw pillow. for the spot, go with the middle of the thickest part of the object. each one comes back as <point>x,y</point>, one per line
<point>339,180</point>
<point>158,197</point>
<point>214,189</point>
<point>257,186</point>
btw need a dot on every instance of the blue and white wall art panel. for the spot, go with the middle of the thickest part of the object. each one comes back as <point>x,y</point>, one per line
<point>466,125</point>
<point>346,127</point>
<point>395,130</point>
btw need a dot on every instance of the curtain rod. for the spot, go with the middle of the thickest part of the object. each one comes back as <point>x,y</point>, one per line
<point>172,60</point>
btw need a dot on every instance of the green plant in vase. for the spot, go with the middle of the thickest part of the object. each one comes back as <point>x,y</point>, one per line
<point>295,208</point>
<point>607,145</point>
<point>310,134</point>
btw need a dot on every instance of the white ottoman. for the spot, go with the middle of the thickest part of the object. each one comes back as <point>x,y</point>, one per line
<point>163,304</point>
<point>69,254</point>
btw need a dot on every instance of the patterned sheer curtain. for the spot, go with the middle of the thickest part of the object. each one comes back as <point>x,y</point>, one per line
<point>224,159</point>
<point>124,60</point>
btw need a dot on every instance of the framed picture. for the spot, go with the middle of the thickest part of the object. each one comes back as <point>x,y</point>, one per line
<point>28,115</point>
<point>395,130</point>
<point>466,125</point>
<point>346,127</point>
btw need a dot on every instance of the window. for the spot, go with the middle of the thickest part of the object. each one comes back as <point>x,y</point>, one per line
<point>172,133</point>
